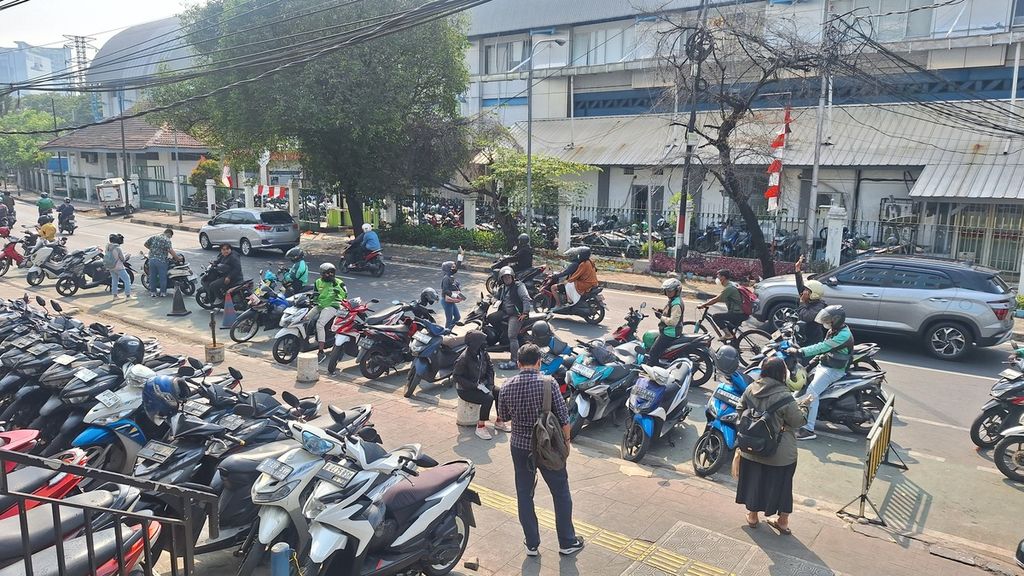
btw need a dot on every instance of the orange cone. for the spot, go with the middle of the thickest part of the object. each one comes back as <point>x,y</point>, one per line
<point>229,312</point>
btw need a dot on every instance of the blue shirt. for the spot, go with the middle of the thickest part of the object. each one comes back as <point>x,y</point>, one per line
<point>371,241</point>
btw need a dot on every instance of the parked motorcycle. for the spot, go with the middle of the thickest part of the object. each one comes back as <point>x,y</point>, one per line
<point>10,255</point>
<point>434,355</point>
<point>658,404</point>
<point>384,341</point>
<point>43,264</point>
<point>298,329</point>
<point>263,310</point>
<point>1009,453</point>
<point>82,271</point>
<point>714,447</point>
<point>1006,408</point>
<point>346,328</point>
<point>372,262</point>
<point>599,381</point>
<point>179,275</point>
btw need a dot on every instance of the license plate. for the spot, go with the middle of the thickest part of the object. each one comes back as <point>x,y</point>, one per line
<point>1010,374</point>
<point>196,409</point>
<point>585,371</point>
<point>232,422</point>
<point>336,474</point>
<point>366,344</point>
<point>548,360</point>
<point>275,469</point>
<point>39,349</point>
<point>64,359</point>
<point>423,337</point>
<point>108,398</point>
<point>86,375</point>
<point>156,451</point>
<point>282,229</point>
<point>727,397</point>
<point>20,329</point>
<point>23,342</point>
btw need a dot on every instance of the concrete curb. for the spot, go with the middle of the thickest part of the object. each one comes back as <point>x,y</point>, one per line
<point>172,226</point>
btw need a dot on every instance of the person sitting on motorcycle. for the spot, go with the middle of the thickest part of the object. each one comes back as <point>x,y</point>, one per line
<point>65,211</point>
<point>330,291</point>
<point>811,303</point>
<point>669,320</point>
<point>4,215</point>
<point>474,379</point>
<point>47,231</point>
<point>573,254</point>
<point>45,204</point>
<point>229,265</point>
<point>583,279</point>
<point>363,244</point>
<point>836,351</point>
<point>734,315</point>
<point>296,277</point>
<point>516,305</point>
<point>521,259</point>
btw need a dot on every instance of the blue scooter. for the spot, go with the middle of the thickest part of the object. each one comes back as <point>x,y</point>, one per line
<point>714,447</point>
<point>434,355</point>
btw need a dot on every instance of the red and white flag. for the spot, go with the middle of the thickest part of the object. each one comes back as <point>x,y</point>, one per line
<point>225,176</point>
<point>775,168</point>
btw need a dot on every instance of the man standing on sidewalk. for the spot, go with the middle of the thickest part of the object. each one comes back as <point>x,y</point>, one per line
<point>520,402</point>
<point>160,254</point>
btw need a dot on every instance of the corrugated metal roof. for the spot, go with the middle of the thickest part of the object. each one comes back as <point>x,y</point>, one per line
<point>139,51</point>
<point>498,16</point>
<point>993,181</point>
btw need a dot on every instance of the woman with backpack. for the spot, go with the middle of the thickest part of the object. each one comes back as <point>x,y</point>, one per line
<point>113,260</point>
<point>766,454</point>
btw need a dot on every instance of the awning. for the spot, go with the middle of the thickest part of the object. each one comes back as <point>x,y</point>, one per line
<point>988,181</point>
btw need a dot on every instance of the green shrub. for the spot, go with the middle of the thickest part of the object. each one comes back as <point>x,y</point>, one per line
<point>1020,301</point>
<point>659,247</point>
<point>448,238</point>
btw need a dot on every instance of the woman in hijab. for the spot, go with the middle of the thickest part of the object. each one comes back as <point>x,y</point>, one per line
<point>474,377</point>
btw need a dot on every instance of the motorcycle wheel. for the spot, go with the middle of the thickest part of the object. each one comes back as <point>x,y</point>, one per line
<point>34,278</point>
<point>596,314</point>
<point>244,328</point>
<point>145,282</point>
<point>1009,457</point>
<point>703,366</point>
<point>202,298</point>
<point>986,427</point>
<point>188,288</point>
<point>635,443</point>
<point>703,245</point>
<point>710,453</point>
<point>412,383</point>
<point>372,364</point>
<point>378,268</point>
<point>576,422</point>
<point>286,348</point>
<point>491,285</point>
<point>67,286</point>
<point>5,265</point>
<point>448,551</point>
<point>543,303</point>
<point>868,402</point>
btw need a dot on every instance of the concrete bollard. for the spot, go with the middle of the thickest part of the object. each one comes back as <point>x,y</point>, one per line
<point>280,555</point>
<point>467,413</point>
<point>307,368</point>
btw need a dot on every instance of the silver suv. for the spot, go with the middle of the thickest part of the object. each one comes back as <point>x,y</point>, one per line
<point>251,229</point>
<point>950,305</point>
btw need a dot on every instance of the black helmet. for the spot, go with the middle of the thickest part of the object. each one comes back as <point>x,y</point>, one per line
<point>428,296</point>
<point>116,238</point>
<point>540,333</point>
<point>127,349</point>
<point>67,200</point>
<point>523,240</point>
<point>727,360</point>
<point>833,315</point>
<point>584,253</point>
<point>574,253</point>
<point>43,220</point>
<point>295,254</point>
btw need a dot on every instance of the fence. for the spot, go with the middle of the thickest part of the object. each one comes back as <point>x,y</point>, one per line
<point>178,531</point>
<point>879,448</point>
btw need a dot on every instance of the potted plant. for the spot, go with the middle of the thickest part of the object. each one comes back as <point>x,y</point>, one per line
<point>1019,312</point>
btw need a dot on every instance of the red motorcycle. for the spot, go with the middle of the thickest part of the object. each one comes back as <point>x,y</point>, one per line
<point>42,482</point>
<point>18,441</point>
<point>372,262</point>
<point>346,327</point>
<point>10,253</point>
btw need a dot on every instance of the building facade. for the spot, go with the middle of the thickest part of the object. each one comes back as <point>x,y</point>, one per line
<point>24,62</point>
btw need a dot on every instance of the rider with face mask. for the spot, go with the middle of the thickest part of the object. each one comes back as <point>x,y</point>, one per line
<point>669,319</point>
<point>836,351</point>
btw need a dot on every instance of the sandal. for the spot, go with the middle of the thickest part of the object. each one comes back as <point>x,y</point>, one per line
<point>753,524</point>
<point>783,531</point>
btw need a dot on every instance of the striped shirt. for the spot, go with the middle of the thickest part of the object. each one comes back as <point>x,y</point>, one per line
<point>520,401</point>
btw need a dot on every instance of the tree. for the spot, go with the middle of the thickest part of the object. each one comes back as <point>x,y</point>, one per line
<point>369,120</point>
<point>743,56</point>
<point>22,151</point>
<point>71,109</point>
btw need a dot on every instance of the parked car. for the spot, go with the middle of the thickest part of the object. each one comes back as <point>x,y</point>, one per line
<point>949,305</point>
<point>251,229</point>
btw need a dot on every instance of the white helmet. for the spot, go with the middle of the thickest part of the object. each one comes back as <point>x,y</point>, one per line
<point>817,289</point>
<point>672,285</point>
<point>367,227</point>
<point>506,271</point>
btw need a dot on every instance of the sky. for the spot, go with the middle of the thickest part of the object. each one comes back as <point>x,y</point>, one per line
<point>46,21</point>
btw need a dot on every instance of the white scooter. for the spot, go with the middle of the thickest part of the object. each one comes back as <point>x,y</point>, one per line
<point>43,265</point>
<point>298,329</point>
<point>374,513</point>
<point>178,274</point>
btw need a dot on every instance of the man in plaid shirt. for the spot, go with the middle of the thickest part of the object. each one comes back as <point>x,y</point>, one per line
<point>520,402</point>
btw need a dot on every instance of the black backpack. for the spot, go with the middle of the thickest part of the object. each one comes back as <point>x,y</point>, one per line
<point>756,431</point>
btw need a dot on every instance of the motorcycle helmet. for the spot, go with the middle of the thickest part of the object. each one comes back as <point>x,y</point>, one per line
<point>448,268</point>
<point>506,271</point>
<point>327,268</point>
<point>4,231</point>
<point>523,240</point>
<point>817,289</point>
<point>116,238</point>
<point>797,376</point>
<point>648,338</point>
<point>127,349</point>
<point>573,254</point>
<point>428,297</point>
<point>161,396</point>
<point>43,220</point>
<point>672,285</point>
<point>45,195</point>
<point>584,253</point>
<point>831,316</point>
<point>367,227</point>
<point>67,200</point>
<point>295,254</point>
<point>540,333</point>
<point>475,340</point>
<point>727,360</point>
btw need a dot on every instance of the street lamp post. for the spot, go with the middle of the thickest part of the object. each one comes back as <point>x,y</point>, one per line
<point>529,128</point>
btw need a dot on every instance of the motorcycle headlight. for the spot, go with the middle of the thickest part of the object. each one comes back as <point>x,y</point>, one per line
<point>315,445</point>
<point>711,407</point>
<point>107,420</point>
<point>76,399</point>
<point>280,493</point>
<point>313,508</point>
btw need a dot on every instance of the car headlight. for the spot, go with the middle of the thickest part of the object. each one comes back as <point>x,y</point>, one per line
<point>279,494</point>
<point>315,445</point>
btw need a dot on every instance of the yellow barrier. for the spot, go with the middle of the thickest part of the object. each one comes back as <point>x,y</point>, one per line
<point>879,448</point>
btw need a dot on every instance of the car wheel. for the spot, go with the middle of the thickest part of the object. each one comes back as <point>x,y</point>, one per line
<point>245,246</point>
<point>780,314</point>
<point>204,241</point>
<point>948,340</point>
<point>107,210</point>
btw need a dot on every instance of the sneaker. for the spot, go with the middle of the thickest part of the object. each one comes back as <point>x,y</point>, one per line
<point>805,434</point>
<point>320,356</point>
<point>115,297</point>
<point>503,426</point>
<point>535,551</point>
<point>573,548</point>
<point>509,365</point>
<point>152,294</point>
<point>482,433</point>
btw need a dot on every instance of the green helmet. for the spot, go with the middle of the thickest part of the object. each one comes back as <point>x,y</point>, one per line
<point>649,337</point>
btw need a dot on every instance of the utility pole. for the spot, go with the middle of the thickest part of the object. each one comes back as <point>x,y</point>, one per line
<point>825,54</point>
<point>124,153</point>
<point>60,160</point>
<point>691,125</point>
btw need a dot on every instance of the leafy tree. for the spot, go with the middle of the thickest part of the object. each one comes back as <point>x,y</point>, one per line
<point>71,109</point>
<point>22,151</point>
<point>370,119</point>
<point>205,170</point>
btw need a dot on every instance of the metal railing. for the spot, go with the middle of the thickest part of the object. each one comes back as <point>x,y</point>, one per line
<point>878,451</point>
<point>180,544</point>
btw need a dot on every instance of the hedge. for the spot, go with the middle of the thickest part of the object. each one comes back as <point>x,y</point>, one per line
<point>449,238</point>
<point>700,265</point>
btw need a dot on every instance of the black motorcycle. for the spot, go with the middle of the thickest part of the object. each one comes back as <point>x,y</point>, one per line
<point>67,225</point>
<point>80,274</point>
<point>531,278</point>
<point>434,355</point>
<point>1006,408</point>
<point>239,292</point>
<point>495,324</point>
<point>384,342</point>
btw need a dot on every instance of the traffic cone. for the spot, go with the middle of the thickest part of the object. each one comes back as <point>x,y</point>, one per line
<point>178,307</point>
<point>229,312</point>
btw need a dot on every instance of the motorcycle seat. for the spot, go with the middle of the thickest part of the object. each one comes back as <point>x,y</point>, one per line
<point>26,481</point>
<point>618,373</point>
<point>453,341</point>
<point>76,553</point>
<point>41,527</point>
<point>408,496</point>
<point>343,417</point>
<point>383,315</point>
<point>398,328</point>
<point>246,461</point>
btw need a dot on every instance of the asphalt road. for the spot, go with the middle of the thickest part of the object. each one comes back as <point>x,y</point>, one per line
<point>950,487</point>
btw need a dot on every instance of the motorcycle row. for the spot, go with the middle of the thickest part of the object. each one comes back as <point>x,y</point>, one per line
<point>89,396</point>
<point>1000,426</point>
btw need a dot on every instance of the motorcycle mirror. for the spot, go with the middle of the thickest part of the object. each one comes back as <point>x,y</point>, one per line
<point>268,391</point>
<point>186,371</point>
<point>290,399</point>
<point>25,298</point>
<point>244,410</point>
<point>41,301</point>
<point>56,306</point>
<point>234,373</point>
<point>374,301</point>
<point>195,363</point>
<point>425,461</point>
<point>643,305</point>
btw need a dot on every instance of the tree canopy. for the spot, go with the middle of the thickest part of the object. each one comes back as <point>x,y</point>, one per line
<point>36,112</point>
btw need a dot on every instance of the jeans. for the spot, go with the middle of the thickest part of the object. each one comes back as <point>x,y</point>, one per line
<point>123,276</point>
<point>823,378</point>
<point>158,276</point>
<point>513,337</point>
<point>478,396</point>
<point>451,314</point>
<point>558,485</point>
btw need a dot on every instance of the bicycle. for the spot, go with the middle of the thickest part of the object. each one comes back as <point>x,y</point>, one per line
<point>748,343</point>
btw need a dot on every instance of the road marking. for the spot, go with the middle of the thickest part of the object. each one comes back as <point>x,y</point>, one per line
<point>635,549</point>
<point>939,370</point>
<point>836,437</point>
<point>989,469</point>
<point>922,455</point>
<point>932,423</point>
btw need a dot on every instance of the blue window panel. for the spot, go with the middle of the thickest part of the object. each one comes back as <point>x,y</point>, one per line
<point>492,102</point>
